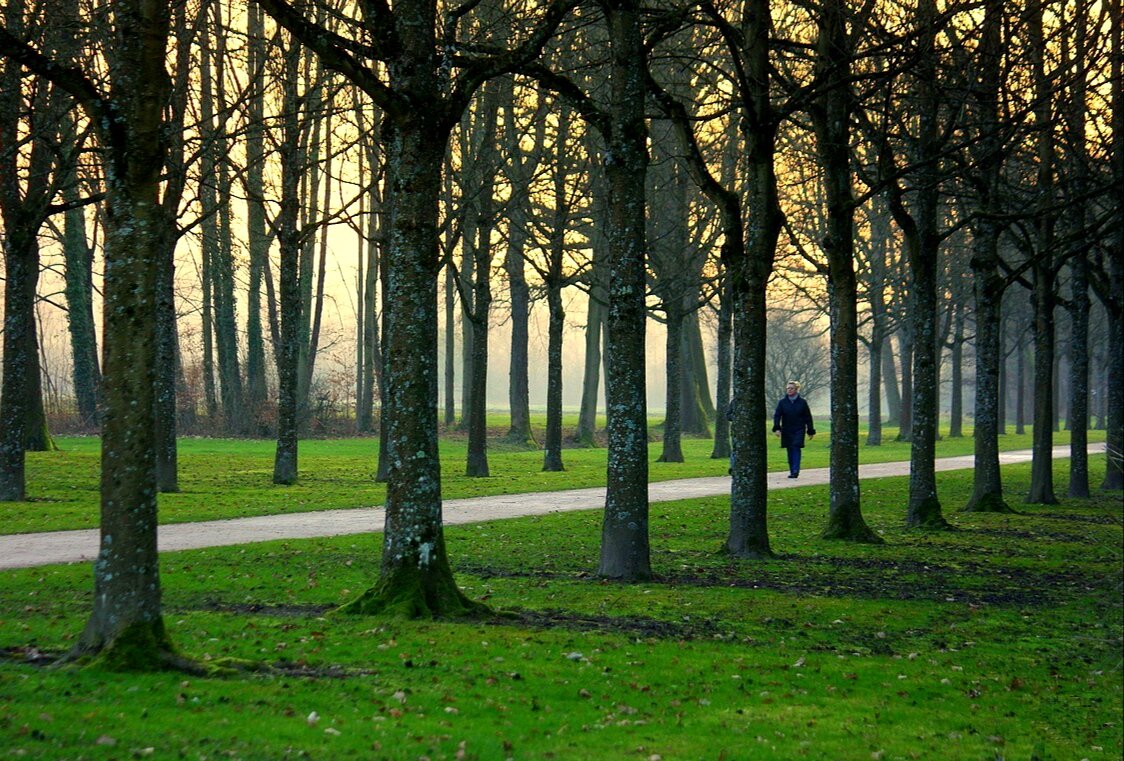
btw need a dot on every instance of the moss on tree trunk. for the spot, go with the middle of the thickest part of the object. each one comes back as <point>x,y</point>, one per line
<point>846,523</point>
<point>989,502</point>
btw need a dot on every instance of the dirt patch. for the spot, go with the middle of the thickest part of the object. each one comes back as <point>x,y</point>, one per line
<point>1097,520</point>
<point>865,578</point>
<point>256,609</point>
<point>639,627</point>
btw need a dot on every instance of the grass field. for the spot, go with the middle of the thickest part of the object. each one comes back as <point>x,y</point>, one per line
<point>1001,640</point>
<point>230,478</point>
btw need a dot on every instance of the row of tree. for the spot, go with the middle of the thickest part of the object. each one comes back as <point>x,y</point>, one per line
<point>624,143</point>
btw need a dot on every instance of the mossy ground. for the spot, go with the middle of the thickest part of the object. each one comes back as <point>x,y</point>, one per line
<point>233,478</point>
<point>999,640</point>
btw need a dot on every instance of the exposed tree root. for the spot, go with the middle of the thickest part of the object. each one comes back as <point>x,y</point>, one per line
<point>847,524</point>
<point>987,503</point>
<point>411,593</point>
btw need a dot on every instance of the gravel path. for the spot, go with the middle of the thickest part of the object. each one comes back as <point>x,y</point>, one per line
<point>30,550</point>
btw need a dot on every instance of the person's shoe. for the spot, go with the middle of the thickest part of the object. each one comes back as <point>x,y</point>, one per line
<point>792,475</point>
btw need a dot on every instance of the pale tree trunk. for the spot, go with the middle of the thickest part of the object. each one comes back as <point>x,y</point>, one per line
<point>880,347</point>
<point>521,170</point>
<point>721,449</point>
<point>595,315</point>
<point>697,406</point>
<point>905,355</point>
<point>890,382</point>
<point>370,368</point>
<point>450,417</point>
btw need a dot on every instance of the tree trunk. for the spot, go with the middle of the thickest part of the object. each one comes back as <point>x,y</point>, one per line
<point>750,268</point>
<point>906,350</point>
<point>521,171</point>
<point>624,532</point>
<point>988,286</point>
<point>721,449</point>
<point>1042,465</point>
<point>831,116</point>
<point>923,247</point>
<point>450,348</point>
<point>696,409</point>
<point>126,628</point>
<point>518,393</point>
<point>956,393</point>
<point>874,392</point>
<point>288,351</point>
<point>1020,384</point>
<point>672,448</point>
<point>890,380</point>
<point>552,444</point>
<point>79,256</point>
<point>257,236</point>
<point>1113,295</point>
<point>1078,415</point>
<point>21,270</point>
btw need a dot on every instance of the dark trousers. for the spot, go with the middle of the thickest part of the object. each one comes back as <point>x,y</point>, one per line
<point>794,459</point>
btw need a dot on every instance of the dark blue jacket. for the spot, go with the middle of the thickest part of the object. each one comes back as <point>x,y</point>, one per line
<point>792,418</point>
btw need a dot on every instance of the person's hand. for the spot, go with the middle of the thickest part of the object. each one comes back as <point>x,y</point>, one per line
<point>811,436</point>
<point>777,434</point>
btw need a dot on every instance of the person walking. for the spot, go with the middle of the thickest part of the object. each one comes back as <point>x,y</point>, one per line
<point>791,420</point>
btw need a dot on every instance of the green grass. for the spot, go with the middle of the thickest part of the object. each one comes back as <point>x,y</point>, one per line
<point>232,478</point>
<point>998,641</point>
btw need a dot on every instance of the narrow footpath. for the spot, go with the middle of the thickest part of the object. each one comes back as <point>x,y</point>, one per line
<point>30,550</point>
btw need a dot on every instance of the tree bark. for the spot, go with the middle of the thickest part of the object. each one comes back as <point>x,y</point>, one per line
<point>831,115</point>
<point>988,285</point>
<point>79,256</point>
<point>721,449</point>
<point>624,532</point>
<point>1113,295</point>
<point>288,351</point>
<point>923,248</point>
<point>257,236</point>
<point>1044,299</point>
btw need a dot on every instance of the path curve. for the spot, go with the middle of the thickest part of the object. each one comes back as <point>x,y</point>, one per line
<point>31,550</point>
